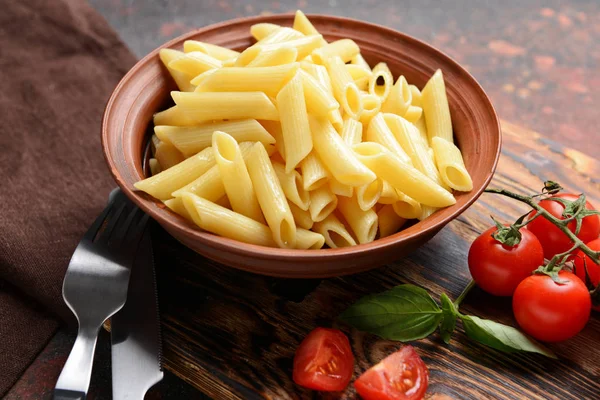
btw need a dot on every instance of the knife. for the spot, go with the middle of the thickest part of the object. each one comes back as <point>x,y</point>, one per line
<point>135,331</point>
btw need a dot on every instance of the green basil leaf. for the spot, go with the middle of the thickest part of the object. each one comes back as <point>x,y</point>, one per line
<point>404,313</point>
<point>501,337</point>
<point>450,314</point>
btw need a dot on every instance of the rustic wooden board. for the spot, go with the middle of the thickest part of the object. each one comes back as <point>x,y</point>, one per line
<point>233,334</point>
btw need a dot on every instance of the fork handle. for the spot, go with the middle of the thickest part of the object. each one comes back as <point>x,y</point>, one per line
<point>74,380</point>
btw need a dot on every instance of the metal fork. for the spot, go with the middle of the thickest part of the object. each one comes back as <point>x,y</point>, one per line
<point>95,285</point>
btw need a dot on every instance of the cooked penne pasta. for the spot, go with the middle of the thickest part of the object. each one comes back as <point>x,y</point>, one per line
<point>308,240</point>
<point>368,195</point>
<point>413,114</point>
<point>271,197</point>
<point>359,60</point>
<point>181,78</point>
<point>322,203</point>
<point>204,107</point>
<point>191,140</point>
<point>335,233</point>
<point>379,132</point>
<point>280,35</point>
<point>235,176</point>
<point>223,202</point>
<point>154,165</point>
<point>352,132</point>
<point>279,56</point>
<point>436,109</point>
<point>399,99</point>
<point>162,185</point>
<point>194,63</point>
<point>337,156</point>
<point>346,49</point>
<point>362,222</point>
<point>402,176</point>
<point>167,155</point>
<point>339,189</point>
<point>319,100</point>
<point>219,220</point>
<point>344,88</point>
<point>176,205</point>
<point>335,117</point>
<point>173,116</point>
<point>371,106</point>
<point>314,172</point>
<point>407,207</point>
<point>417,99</point>
<point>269,80</point>
<point>292,185</point>
<point>218,52</point>
<point>303,25</point>
<point>360,75</point>
<point>262,30</point>
<point>426,212</point>
<point>294,122</point>
<point>301,217</point>
<point>304,46</point>
<point>422,127</point>
<point>389,195</point>
<point>389,221</point>
<point>274,128</point>
<point>451,165</point>
<point>381,81</point>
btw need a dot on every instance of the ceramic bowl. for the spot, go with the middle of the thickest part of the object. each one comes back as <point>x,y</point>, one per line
<point>145,90</point>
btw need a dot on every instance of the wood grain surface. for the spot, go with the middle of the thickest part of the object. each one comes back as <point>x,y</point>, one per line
<point>233,334</point>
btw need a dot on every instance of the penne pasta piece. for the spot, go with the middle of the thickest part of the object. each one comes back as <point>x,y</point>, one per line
<point>269,80</point>
<point>294,123</point>
<point>362,222</point>
<point>280,35</point>
<point>204,107</point>
<point>235,176</point>
<point>176,205</point>
<point>155,167</point>
<point>306,239</point>
<point>167,155</point>
<point>335,117</point>
<point>451,165</point>
<point>261,30</point>
<point>279,56</point>
<point>409,138</point>
<point>223,202</point>
<point>413,114</point>
<point>339,189</point>
<point>230,62</point>
<point>389,221</point>
<point>368,195</point>
<point>335,233</point>
<point>422,127</point>
<point>436,109</point>
<point>381,81</point>
<point>271,197</point>
<point>304,46</point>
<point>194,63</point>
<point>218,52</point>
<point>417,99</point>
<point>352,132</point>
<point>173,116</point>
<point>360,75</point>
<point>322,203</point>
<point>337,156</point>
<point>389,195</point>
<point>303,25</point>
<point>162,185</point>
<point>301,217</point>
<point>399,99</point>
<point>402,176</point>
<point>223,222</point>
<point>319,100</point>
<point>314,172</point>
<point>292,185</point>
<point>359,60</point>
<point>274,128</point>
<point>181,78</point>
<point>344,88</point>
<point>320,73</point>
<point>371,106</point>
<point>346,49</point>
<point>407,207</point>
<point>426,212</point>
<point>379,132</point>
<point>191,140</point>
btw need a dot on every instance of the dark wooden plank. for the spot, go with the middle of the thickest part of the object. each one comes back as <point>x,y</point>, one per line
<point>233,334</point>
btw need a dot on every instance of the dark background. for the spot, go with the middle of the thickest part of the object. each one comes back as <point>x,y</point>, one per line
<point>538,60</point>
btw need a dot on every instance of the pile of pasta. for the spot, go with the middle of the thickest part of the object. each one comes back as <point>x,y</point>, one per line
<point>298,143</point>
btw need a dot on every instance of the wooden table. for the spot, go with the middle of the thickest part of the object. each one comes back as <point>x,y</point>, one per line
<point>233,334</point>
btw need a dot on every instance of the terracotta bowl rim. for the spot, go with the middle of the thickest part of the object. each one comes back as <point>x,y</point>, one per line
<point>146,203</point>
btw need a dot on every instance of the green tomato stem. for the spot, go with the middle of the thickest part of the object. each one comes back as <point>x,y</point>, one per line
<point>464,293</point>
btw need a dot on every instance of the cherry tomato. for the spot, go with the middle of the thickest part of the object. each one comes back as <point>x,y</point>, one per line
<point>324,361</point>
<point>549,311</point>
<point>400,376</point>
<point>553,240</point>
<point>498,268</point>
<point>583,262</point>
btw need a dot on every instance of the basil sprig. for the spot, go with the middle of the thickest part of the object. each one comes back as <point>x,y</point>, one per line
<point>407,312</point>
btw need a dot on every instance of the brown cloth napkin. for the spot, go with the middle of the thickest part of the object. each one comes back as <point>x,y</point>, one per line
<point>59,62</point>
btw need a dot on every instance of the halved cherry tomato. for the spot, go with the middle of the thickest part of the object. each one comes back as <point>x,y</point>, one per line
<point>400,376</point>
<point>583,262</point>
<point>324,361</point>
<point>553,240</point>
<point>551,311</point>
<point>498,268</point>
